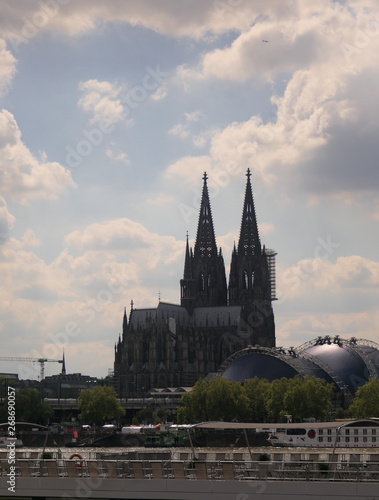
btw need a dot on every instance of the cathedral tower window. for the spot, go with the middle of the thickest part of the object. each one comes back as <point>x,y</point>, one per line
<point>202,282</point>
<point>245,281</point>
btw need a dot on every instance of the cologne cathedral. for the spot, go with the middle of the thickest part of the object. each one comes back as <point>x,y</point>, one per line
<point>174,345</point>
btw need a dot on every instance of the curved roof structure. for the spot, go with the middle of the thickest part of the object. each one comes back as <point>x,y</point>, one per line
<point>354,361</point>
<point>349,364</point>
<point>256,362</point>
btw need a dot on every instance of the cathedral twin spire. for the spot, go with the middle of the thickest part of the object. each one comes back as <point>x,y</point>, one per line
<point>204,279</point>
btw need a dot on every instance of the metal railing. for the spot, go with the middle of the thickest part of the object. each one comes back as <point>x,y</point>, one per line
<point>197,470</point>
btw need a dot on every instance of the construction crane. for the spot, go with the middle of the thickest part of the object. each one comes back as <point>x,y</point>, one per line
<point>41,361</point>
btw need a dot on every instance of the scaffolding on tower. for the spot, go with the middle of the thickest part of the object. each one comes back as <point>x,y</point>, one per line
<point>271,271</point>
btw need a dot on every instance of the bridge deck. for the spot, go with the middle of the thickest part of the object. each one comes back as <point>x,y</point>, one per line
<point>187,480</point>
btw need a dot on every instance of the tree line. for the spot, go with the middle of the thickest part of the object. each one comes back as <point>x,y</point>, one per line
<point>258,400</point>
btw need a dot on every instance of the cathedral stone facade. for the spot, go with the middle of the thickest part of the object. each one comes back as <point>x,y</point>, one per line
<point>175,345</point>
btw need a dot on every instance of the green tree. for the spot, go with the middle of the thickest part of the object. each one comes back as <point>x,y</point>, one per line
<point>30,406</point>
<point>366,400</point>
<point>275,399</point>
<point>307,397</point>
<point>98,405</point>
<point>217,399</point>
<point>226,400</point>
<point>256,391</point>
<point>194,403</point>
<point>256,400</point>
<point>144,416</point>
<point>3,387</point>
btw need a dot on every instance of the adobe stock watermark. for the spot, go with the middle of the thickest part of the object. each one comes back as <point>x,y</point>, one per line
<point>258,487</point>
<point>94,137</point>
<point>361,39</point>
<point>72,329</point>
<point>261,312</point>
<point>85,487</point>
<point>224,7</point>
<point>48,9</point>
<point>11,445</point>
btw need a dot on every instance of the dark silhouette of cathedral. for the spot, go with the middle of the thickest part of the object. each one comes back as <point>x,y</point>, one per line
<point>175,345</point>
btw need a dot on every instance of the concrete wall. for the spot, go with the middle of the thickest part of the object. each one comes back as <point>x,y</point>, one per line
<point>99,488</point>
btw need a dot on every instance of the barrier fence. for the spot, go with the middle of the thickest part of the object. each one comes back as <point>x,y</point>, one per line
<point>282,470</point>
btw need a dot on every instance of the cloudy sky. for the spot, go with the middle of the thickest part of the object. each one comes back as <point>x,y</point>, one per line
<point>110,113</point>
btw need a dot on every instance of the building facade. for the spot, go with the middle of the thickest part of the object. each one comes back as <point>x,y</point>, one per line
<point>174,345</point>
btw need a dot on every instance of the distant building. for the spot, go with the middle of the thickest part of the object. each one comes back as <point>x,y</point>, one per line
<point>6,380</point>
<point>67,385</point>
<point>9,377</point>
<point>175,345</point>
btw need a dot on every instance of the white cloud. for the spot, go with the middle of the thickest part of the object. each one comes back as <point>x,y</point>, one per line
<point>161,200</point>
<point>353,273</point>
<point>200,141</point>
<point>194,116</point>
<point>7,68</point>
<point>117,156</point>
<point>184,130</point>
<point>189,168</point>
<point>103,100</point>
<point>21,22</point>
<point>126,235</point>
<point>7,221</point>
<point>179,130</point>
<point>302,328</point>
<point>109,234</point>
<point>322,296</point>
<point>322,138</point>
<point>305,115</point>
<point>291,45</point>
<point>22,176</point>
<point>306,36</point>
<point>266,228</point>
<point>19,265</point>
<point>160,94</point>
<point>88,284</point>
<point>123,235</point>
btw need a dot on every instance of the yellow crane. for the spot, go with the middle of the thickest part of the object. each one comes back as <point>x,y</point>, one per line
<point>41,361</point>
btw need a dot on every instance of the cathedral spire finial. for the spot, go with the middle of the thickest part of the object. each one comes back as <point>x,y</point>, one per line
<point>205,245</point>
<point>63,364</point>
<point>249,243</point>
<point>124,322</point>
<point>187,261</point>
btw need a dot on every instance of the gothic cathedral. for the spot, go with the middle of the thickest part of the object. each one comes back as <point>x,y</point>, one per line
<point>175,345</point>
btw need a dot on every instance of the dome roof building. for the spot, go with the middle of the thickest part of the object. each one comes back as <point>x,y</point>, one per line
<point>347,363</point>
